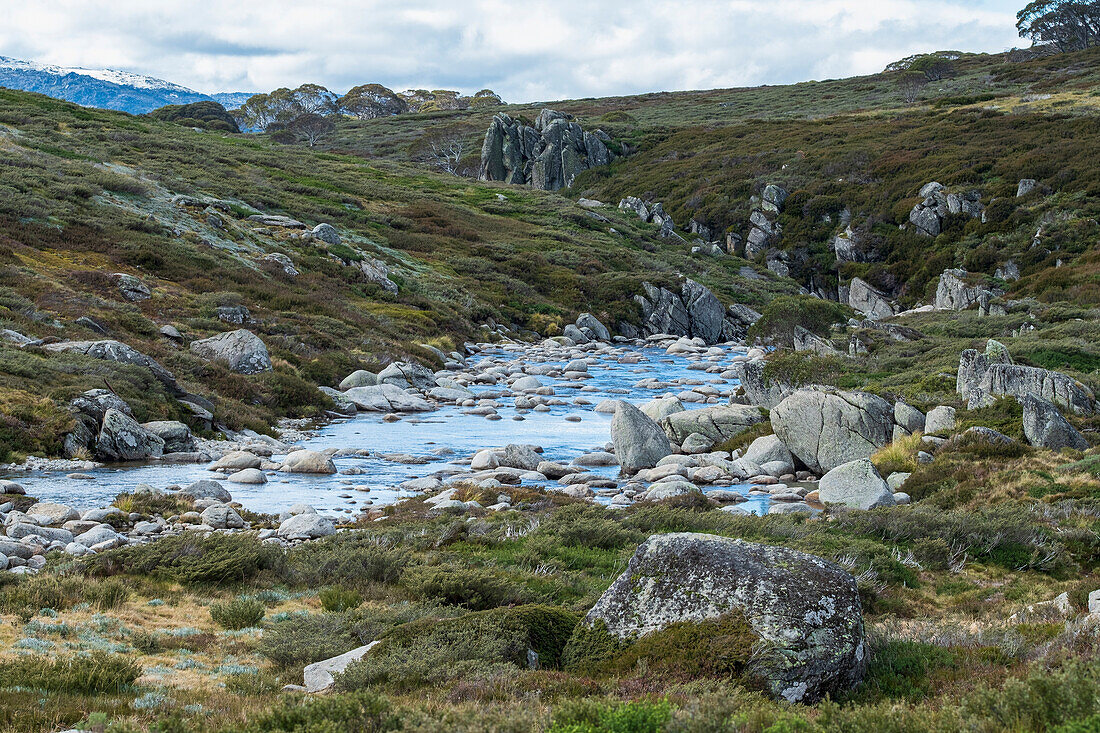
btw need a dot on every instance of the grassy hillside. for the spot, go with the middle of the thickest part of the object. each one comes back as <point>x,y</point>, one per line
<point>88,193</point>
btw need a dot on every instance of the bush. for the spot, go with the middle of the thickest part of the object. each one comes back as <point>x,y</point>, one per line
<point>28,596</point>
<point>348,559</point>
<point>477,589</point>
<point>337,600</point>
<point>363,712</point>
<point>590,716</point>
<point>715,648</point>
<point>217,559</point>
<point>95,673</point>
<point>780,317</point>
<point>475,646</point>
<point>106,594</point>
<point>239,613</point>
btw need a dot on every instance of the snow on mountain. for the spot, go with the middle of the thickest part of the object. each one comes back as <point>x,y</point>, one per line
<point>104,88</point>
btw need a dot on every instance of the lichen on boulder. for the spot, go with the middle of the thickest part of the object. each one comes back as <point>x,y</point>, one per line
<point>804,611</point>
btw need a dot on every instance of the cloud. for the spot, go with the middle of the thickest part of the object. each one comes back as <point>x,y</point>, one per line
<point>534,51</point>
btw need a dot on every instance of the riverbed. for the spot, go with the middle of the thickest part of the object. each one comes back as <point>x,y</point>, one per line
<point>442,442</point>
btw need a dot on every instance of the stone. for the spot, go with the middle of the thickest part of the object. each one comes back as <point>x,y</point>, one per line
<point>236,460</point>
<point>408,374</point>
<point>130,287</point>
<point>49,513</point>
<point>283,261</point>
<point>767,449</point>
<point>896,480</point>
<point>761,390</point>
<point>1014,380</point>
<point>222,516</point>
<point>97,535</point>
<point>241,350</point>
<point>857,485</point>
<point>206,489</point>
<point>308,461</point>
<point>718,423</point>
<point>247,476</point>
<point>871,302</point>
<point>10,487</point>
<point>546,156</point>
<point>639,441</point>
<point>1026,186</point>
<point>19,530</point>
<point>121,438</point>
<point>773,198</point>
<point>320,676</point>
<point>305,526</point>
<point>662,407</point>
<point>359,378</point>
<point>1045,427</point>
<point>825,428</point>
<point>589,321</point>
<point>176,435</point>
<point>326,233</point>
<point>387,398</point>
<point>696,443</point>
<point>118,352</point>
<point>909,418</point>
<point>952,293</point>
<point>805,609</point>
<point>940,420</point>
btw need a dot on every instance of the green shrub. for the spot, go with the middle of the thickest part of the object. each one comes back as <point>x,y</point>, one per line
<point>780,317</point>
<point>474,588</point>
<point>106,594</point>
<point>95,673</point>
<point>716,648</point>
<point>29,595</point>
<point>239,613</point>
<point>591,716</point>
<point>901,670</point>
<point>363,712</point>
<point>337,600</point>
<point>475,646</point>
<point>217,559</point>
<point>348,559</point>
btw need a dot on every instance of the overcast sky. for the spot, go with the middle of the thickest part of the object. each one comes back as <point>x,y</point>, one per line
<point>526,50</point>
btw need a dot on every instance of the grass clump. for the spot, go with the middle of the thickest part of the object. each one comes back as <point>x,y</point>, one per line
<point>218,559</point>
<point>238,613</point>
<point>95,673</point>
<point>901,455</point>
<point>337,599</point>
<point>364,712</point>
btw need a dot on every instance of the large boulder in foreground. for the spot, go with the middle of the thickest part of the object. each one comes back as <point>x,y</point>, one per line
<point>805,610</point>
<point>1044,426</point>
<point>639,441</point>
<point>718,423</point>
<point>857,485</point>
<point>241,350</point>
<point>826,428</point>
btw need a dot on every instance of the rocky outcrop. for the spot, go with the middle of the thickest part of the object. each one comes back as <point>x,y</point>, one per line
<point>717,424</point>
<point>850,246</point>
<point>639,441</point>
<point>954,294</point>
<point>118,352</point>
<point>547,156</point>
<point>241,350</point>
<point>984,377</point>
<point>760,390</point>
<point>739,319</point>
<point>695,311</point>
<point>130,287</point>
<point>651,214</point>
<point>1044,426</point>
<point>805,610</point>
<point>764,232</point>
<point>871,302</point>
<point>176,436</point>
<point>856,485</point>
<point>826,428</point>
<point>973,366</point>
<point>928,215</point>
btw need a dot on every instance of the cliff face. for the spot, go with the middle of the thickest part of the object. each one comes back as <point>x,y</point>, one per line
<point>547,156</point>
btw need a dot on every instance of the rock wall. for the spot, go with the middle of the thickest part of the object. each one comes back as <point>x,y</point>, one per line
<point>547,156</point>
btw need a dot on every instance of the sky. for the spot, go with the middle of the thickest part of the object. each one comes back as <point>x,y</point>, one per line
<point>525,50</point>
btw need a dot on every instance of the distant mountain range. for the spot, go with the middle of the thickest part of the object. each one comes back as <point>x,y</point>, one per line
<point>105,88</point>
